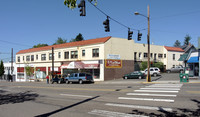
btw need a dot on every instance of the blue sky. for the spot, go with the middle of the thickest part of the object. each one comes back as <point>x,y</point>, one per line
<point>24,23</point>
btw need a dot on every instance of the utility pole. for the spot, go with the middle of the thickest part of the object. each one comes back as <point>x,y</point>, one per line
<point>11,65</point>
<point>148,42</point>
<point>52,62</point>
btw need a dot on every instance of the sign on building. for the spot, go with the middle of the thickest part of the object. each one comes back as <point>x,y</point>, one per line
<point>113,56</point>
<point>111,63</point>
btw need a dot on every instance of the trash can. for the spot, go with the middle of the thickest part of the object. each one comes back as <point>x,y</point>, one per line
<point>184,77</point>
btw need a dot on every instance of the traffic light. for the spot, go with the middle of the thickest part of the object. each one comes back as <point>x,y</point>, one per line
<point>82,6</point>
<point>130,33</point>
<point>139,36</point>
<point>107,25</point>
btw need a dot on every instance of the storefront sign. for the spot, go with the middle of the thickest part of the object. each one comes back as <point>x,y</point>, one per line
<point>113,56</point>
<point>110,63</point>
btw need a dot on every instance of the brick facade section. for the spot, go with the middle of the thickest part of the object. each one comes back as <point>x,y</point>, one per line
<point>117,73</point>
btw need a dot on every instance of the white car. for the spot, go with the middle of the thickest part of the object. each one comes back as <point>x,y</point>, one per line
<point>154,71</point>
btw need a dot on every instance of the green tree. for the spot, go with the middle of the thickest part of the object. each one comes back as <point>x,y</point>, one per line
<point>40,45</point>
<point>72,3</point>
<point>60,41</point>
<point>29,71</point>
<point>2,69</point>
<point>187,39</point>
<point>143,65</point>
<point>79,37</point>
<point>177,43</point>
<point>160,65</point>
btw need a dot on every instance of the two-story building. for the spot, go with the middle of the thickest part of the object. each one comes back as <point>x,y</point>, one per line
<point>105,58</point>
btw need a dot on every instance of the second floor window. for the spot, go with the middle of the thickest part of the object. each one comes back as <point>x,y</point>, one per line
<point>95,52</point>
<point>43,57</point>
<point>36,57</point>
<point>83,52</point>
<point>59,54</point>
<point>173,56</point>
<point>74,54</point>
<point>160,55</point>
<point>27,58</point>
<point>66,55</point>
<point>50,56</point>
<point>32,57</point>
<point>145,55</point>
<point>18,59</point>
<point>164,55</point>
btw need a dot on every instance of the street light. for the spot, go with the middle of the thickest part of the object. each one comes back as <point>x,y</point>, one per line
<point>148,35</point>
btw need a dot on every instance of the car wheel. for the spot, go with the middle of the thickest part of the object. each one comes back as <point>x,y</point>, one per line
<point>125,77</point>
<point>181,71</point>
<point>168,71</point>
<point>140,77</point>
<point>59,82</point>
<point>80,82</point>
<point>154,74</point>
<point>67,82</point>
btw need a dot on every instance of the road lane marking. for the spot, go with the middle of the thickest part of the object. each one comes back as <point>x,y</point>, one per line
<point>77,95</point>
<point>79,89</point>
<point>146,99</point>
<point>140,107</point>
<point>161,88</point>
<point>156,91</point>
<point>105,113</point>
<point>147,94</point>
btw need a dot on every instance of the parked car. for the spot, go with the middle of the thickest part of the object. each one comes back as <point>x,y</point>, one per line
<point>58,79</point>
<point>79,77</point>
<point>134,75</point>
<point>176,69</point>
<point>154,71</point>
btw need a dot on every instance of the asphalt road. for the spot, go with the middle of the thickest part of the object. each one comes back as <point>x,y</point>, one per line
<point>116,98</point>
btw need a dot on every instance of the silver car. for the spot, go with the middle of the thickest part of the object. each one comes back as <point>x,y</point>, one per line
<point>154,71</point>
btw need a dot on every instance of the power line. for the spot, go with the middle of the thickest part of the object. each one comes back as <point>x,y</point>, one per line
<point>13,43</point>
<point>112,18</point>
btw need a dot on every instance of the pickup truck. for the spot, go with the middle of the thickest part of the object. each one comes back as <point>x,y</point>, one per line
<point>79,77</point>
<point>176,69</point>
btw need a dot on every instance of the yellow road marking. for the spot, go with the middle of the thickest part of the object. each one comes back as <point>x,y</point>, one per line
<point>80,89</point>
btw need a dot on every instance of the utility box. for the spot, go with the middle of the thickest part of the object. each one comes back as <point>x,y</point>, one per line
<point>184,77</point>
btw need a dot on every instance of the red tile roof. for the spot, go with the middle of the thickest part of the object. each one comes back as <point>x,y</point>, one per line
<point>174,49</point>
<point>66,45</point>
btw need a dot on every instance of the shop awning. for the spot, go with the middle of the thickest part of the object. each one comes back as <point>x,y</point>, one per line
<point>193,59</point>
<point>79,65</point>
<point>183,57</point>
<point>91,66</point>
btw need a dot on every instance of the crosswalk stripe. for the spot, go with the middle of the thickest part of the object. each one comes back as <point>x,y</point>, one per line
<point>156,91</point>
<point>147,94</point>
<point>169,84</point>
<point>105,113</point>
<point>161,88</point>
<point>146,99</point>
<point>140,107</point>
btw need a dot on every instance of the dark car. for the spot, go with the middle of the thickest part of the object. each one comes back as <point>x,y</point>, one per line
<point>58,79</point>
<point>135,75</point>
